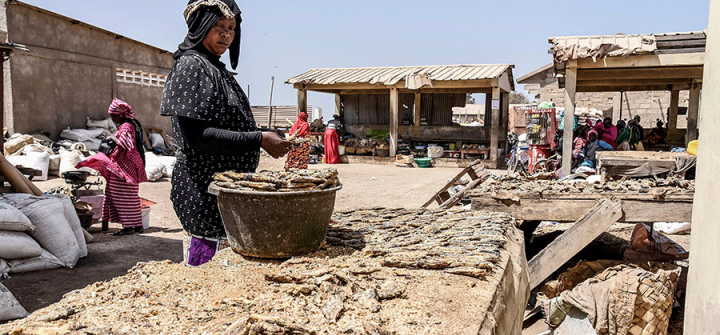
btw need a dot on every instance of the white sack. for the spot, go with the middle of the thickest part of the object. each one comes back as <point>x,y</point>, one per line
<point>69,159</point>
<point>10,308</point>
<point>157,141</point>
<point>73,220</point>
<point>169,162</point>
<point>53,231</point>
<point>54,163</point>
<point>4,268</point>
<point>12,219</point>
<point>15,245</point>
<point>81,135</point>
<point>154,168</point>
<point>673,228</point>
<point>39,161</point>
<point>105,124</point>
<point>46,261</point>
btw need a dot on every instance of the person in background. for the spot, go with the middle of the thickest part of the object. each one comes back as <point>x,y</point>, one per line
<point>332,141</point>
<point>579,142</point>
<point>299,156</point>
<point>630,139</point>
<point>606,131</point>
<point>620,125</point>
<point>123,170</point>
<point>594,145</point>
<point>640,128</point>
<point>318,126</point>
<point>212,122</point>
<point>337,125</point>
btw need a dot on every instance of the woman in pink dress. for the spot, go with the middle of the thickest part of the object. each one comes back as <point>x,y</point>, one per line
<point>123,171</point>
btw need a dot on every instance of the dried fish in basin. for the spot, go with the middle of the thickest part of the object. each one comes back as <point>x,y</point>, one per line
<point>280,181</point>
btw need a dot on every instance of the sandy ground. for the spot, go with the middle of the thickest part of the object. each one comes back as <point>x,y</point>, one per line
<point>109,257</point>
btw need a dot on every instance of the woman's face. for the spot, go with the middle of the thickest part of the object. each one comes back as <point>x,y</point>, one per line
<point>220,36</point>
<point>116,118</point>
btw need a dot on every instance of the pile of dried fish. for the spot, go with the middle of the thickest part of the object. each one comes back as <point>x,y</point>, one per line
<point>279,181</point>
<point>510,183</point>
<point>382,271</point>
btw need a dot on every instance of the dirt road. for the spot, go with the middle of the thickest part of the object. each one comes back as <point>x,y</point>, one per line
<point>109,257</point>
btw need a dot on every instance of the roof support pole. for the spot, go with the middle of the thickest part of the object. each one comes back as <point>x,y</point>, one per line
<point>338,105</point>
<point>693,106</point>
<point>394,117</point>
<point>702,302</point>
<point>570,90</point>
<point>495,126</point>
<point>417,110</point>
<point>673,117</point>
<point>301,100</point>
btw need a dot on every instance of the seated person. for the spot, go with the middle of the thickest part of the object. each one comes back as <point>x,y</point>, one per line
<point>630,139</point>
<point>594,145</point>
<point>606,131</point>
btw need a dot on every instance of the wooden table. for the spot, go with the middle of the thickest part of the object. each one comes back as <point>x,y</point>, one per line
<point>484,152</point>
<point>617,163</point>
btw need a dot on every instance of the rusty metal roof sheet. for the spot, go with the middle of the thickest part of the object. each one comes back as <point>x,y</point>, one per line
<point>393,75</point>
<point>578,47</point>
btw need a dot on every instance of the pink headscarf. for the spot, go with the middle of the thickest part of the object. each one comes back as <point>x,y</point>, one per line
<point>122,108</point>
<point>592,132</point>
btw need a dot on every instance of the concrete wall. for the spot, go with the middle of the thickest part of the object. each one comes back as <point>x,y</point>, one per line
<point>70,73</point>
<point>649,105</point>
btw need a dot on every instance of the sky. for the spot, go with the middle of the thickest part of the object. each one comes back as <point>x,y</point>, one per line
<point>283,38</point>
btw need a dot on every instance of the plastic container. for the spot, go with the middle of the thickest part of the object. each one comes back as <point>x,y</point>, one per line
<point>275,224</point>
<point>341,150</point>
<point>423,162</point>
<point>146,217</point>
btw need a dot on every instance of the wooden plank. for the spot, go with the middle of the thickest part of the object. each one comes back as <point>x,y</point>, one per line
<point>659,38</point>
<point>671,72</point>
<point>683,59</point>
<point>603,214</point>
<point>673,117</point>
<point>494,125</point>
<point>569,210</point>
<point>681,44</point>
<point>338,105</point>
<point>484,175</point>
<point>679,51</point>
<point>301,100</point>
<point>692,116</point>
<point>570,92</point>
<point>452,182</point>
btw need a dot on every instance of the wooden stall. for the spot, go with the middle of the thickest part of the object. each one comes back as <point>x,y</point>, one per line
<point>624,63</point>
<point>414,104</point>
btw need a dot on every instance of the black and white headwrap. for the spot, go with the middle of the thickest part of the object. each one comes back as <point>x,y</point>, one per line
<point>201,16</point>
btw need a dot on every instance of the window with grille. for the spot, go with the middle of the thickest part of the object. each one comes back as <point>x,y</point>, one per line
<point>140,78</point>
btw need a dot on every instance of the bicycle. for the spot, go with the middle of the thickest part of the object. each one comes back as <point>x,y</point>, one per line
<point>514,160</point>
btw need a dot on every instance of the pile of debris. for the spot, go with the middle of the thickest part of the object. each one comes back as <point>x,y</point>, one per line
<point>381,271</point>
<point>284,181</point>
<point>517,183</point>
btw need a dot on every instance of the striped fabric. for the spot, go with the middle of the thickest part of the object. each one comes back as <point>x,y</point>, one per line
<point>127,157</point>
<point>122,203</point>
<point>122,108</point>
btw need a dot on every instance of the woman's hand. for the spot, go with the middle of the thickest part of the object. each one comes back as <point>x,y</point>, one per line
<point>275,145</point>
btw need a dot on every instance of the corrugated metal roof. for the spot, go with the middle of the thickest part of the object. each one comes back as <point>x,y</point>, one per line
<point>393,75</point>
<point>578,47</point>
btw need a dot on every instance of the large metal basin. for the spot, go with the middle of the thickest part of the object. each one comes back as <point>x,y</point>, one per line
<point>275,224</point>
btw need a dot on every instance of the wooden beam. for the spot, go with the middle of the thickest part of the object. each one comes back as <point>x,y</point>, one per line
<point>631,88</point>
<point>473,85</point>
<point>684,59</point>
<point>670,72</point>
<point>693,107</point>
<point>338,104</point>
<point>417,110</point>
<point>570,207</point>
<point>494,126</point>
<point>504,82</point>
<point>673,117</point>
<point>570,89</point>
<point>394,119</point>
<point>301,101</point>
<point>484,175</point>
<point>598,219</point>
<point>634,82</point>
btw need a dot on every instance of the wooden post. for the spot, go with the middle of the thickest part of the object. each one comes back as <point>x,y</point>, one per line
<point>702,301</point>
<point>672,118</point>
<point>338,104</point>
<point>301,100</point>
<point>2,101</point>
<point>693,106</point>
<point>570,90</point>
<point>417,111</point>
<point>494,126</point>
<point>393,121</point>
<point>272,88</point>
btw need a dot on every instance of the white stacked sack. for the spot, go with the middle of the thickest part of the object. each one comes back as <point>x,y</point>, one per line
<point>39,233</point>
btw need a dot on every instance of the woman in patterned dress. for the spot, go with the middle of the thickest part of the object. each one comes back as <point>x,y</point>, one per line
<point>123,171</point>
<point>299,156</point>
<point>212,122</point>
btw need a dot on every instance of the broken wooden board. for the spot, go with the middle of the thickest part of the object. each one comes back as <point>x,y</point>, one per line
<point>442,195</point>
<point>599,218</point>
<point>482,177</point>
<point>569,207</point>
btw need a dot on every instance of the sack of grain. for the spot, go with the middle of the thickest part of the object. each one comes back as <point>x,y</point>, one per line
<point>81,135</point>
<point>69,159</point>
<point>46,261</point>
<point>73,220</point>
<point>17,245</point>
<point>12,219</point>
<point>39,161</point>
<point>157,141</point>
<point>4,269</point>
<point>17,142</point>
<point>54,165</point>
<point>53,231</point>
<point>154,168</point>
<point>104,124</point>
<point>169,162</point>
<point>10,308</point>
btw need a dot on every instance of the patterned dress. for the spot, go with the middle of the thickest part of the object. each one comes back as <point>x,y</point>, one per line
<point>200,88</point>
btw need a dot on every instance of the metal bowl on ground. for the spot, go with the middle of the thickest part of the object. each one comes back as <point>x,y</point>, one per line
<point>275,224</point>
<point>77,177</point>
